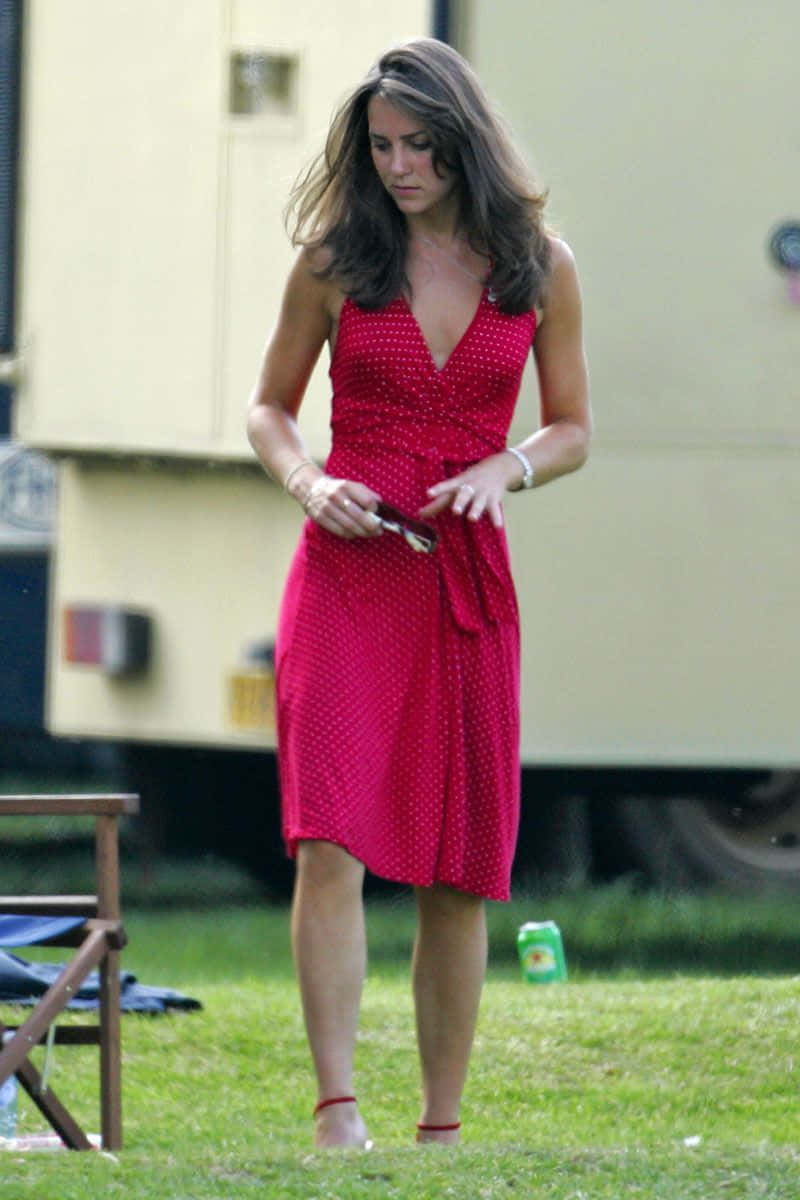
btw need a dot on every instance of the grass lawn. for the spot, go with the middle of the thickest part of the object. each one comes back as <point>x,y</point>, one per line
<point>667,1067</point>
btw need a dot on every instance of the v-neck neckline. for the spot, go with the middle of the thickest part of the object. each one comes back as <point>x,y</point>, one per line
<point>440,370</point>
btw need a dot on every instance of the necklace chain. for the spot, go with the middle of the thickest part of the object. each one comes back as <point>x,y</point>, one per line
<point>452,257</point>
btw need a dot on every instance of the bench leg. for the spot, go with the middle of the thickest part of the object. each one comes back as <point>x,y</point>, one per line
<point>110,1053</point>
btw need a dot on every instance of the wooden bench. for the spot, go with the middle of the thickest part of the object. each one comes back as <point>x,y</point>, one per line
<point>98,937</point>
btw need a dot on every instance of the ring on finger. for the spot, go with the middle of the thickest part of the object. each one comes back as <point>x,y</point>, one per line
<point>345,503</point>
<point>467,487</point>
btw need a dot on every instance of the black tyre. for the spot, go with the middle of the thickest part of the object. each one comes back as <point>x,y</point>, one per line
<point>748,841</point>
<point>555,839</point>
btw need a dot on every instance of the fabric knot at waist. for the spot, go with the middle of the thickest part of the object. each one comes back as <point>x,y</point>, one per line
<point>475,572</point>
<point>471,557</point>
<point>418,434</point>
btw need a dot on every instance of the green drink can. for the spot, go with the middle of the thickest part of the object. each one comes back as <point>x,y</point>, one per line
<point>541,953</point>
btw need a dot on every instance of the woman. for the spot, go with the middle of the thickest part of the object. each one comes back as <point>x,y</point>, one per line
<point>427,269</point>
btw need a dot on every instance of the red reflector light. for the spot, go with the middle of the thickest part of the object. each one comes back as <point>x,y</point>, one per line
<point>115,639</point>
<point>82,636</point>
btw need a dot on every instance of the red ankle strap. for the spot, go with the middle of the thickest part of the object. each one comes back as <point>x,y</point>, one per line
<point>438,1128</point>
<point>335,1100</point>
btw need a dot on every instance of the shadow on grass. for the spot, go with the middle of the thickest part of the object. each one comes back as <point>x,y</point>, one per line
<point>617,929</point>
<point>620,927</point>
<point>669,955</point>
<point>191,881</point>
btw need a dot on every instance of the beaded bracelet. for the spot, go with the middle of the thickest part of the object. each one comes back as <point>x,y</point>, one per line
<point>527,478</point>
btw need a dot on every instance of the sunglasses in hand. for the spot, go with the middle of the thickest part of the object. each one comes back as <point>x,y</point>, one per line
<point>417,534</point>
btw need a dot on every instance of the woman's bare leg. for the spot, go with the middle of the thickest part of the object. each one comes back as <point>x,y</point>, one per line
<point>448,970</point>
<point>329,944</point>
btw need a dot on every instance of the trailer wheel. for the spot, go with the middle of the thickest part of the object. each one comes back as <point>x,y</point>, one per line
<point>748,841</point>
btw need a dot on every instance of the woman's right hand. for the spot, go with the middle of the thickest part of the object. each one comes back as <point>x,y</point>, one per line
<point>342,506</point>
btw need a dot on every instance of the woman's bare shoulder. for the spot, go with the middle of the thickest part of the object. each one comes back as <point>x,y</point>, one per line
<point>310,292</point>
<point>562,287</point>
<point>313,286</point>
<point>561,257</point>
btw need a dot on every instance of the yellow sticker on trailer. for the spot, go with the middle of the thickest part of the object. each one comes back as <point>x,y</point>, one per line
<point>251,701</point>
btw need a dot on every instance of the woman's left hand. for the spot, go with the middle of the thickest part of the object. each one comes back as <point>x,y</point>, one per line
<point>476,491</point>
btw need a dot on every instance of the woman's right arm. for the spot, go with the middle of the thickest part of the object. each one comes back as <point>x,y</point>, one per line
<point>304,323</point>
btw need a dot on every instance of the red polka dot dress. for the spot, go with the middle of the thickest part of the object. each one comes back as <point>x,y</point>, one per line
<point>398,672</point>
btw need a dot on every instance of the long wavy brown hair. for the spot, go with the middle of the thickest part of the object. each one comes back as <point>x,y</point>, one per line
<point>340,204</point>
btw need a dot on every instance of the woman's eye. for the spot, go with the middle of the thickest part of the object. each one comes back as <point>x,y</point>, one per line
<point>420,145</point>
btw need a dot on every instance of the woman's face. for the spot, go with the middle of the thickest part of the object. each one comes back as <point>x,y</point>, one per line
<point>402,153</point>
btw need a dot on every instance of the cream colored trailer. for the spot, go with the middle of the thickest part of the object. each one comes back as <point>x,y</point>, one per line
<point>659,587</point>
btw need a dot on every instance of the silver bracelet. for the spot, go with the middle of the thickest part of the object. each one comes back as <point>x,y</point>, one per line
<point>524,462</point>
<point>306,462</point>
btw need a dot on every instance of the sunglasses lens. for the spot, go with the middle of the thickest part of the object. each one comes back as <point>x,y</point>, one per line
<point>393,521</point>
<point>416,542</point>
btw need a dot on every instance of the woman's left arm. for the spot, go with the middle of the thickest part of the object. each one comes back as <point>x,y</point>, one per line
<point>561,444</point>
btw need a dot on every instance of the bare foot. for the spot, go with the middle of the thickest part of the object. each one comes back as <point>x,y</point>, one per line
<point>340,1125</point>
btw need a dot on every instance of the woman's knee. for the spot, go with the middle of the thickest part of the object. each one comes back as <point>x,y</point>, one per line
<point>444,903</point>
<point>324,864</point>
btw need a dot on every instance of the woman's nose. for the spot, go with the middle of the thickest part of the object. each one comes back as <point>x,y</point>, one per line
<point>398,163</point>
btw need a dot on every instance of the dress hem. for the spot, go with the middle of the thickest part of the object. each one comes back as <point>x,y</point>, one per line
<point>501,897</point>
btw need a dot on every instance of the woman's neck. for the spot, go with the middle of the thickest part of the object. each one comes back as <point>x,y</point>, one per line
<point>440,223</point>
